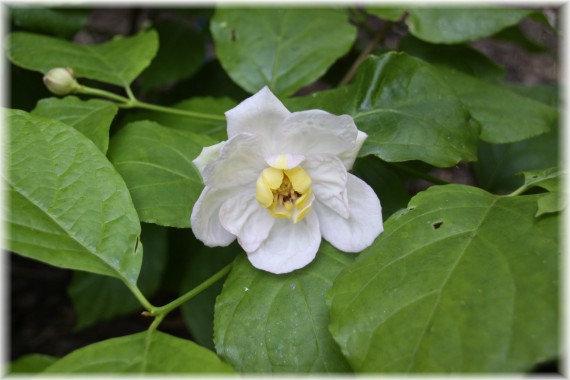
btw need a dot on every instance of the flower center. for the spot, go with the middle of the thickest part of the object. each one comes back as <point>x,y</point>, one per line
<point>286,193</point>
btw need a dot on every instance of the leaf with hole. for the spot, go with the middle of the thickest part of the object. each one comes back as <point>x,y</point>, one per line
<point>278,323</point>
<point>156,163</point>
<point>67,206</point>
<point>118,61</point>
<point>460,281</point>
<point>284,49</point>
<point>158,353</point>
<point>91,117</point>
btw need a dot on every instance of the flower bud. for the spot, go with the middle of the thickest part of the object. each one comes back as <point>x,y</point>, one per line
<point>61,81</point>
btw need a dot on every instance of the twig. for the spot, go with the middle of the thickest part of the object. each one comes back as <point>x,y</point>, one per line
<point>378,39</point>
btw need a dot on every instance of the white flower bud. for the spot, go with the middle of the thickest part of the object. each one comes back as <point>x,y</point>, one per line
<point>61,81</point>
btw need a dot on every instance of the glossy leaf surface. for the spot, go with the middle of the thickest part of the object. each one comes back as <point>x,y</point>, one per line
<point>118,61</point>
<point>156,163</point>
<point>407,110</point>
<point>91,117</point>
<point>460,281</point>
<point>284,49</point>
<point>456,25</point>
<point>504,115</point>
<point>159,353</point>
<point>278,323</point>
<point>68,206</point>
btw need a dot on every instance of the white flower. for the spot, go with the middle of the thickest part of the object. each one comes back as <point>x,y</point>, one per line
<point>280,182</point>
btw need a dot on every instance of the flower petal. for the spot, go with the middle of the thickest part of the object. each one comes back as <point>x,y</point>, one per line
<point>364,223</point>
<point>207,155</point>
<point>244,217</point>
<point>348,157</point>
<point>329,178</point>
<point>284,161</point>
<point>240,162</point>
<point>289,246</point>
<point>259,114</point>
<point>314,132</point>
<point>205,220</point>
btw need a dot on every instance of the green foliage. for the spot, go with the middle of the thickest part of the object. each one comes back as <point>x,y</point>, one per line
<point>32,363</point>
<point>470,292</point>
<point>92,117</point>
<point>284,49</point>
<point>406,109</point>
<point>117,62</point>
<point>198,313</point>
<point>452,26</point>
<point>68,206</point>
<point>62,23</point>
<point>97,298</point>
<point>157,353</point>
<point>504,116</point>
<point>278,323</point>
<point>180,54</point>
<point>156,163</point>
<point>463,279</point>
<point>212,128</point>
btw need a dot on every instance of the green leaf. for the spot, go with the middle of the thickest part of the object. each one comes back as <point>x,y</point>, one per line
<point>156,163</point>
<point>278,323</point>
<point>198,313</point>
<point>60,22</point>
<point>138,353</point>
<point>498,164</point>
<point>118,61</point>
<point>516,36</point>
<point>550,203</point>
<point>548,179</point>
<point>504,115</point>
<point>386,13</point>
<point>284,49</point>
<point>181,53</point>
<point>98,298</point>
<point>460,281</point>
<point>406,109</point>
<point>68,206</point>
<point>460,57</point>
<point>91,117</point>
<point>212,128</point>
<point>31,363</point>
<point>452,26</point>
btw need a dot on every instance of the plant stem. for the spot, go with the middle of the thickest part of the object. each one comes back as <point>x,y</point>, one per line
<point>141,298</point>
<point>105,94</point>
<point>132,102</point>
<point>164,310</point>
<point>378,39</point>
<point>175,111</point>
<point>419,174</point>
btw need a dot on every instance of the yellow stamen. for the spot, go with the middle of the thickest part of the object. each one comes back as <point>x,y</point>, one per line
<point>299,178</point>
<point>285,193</point>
